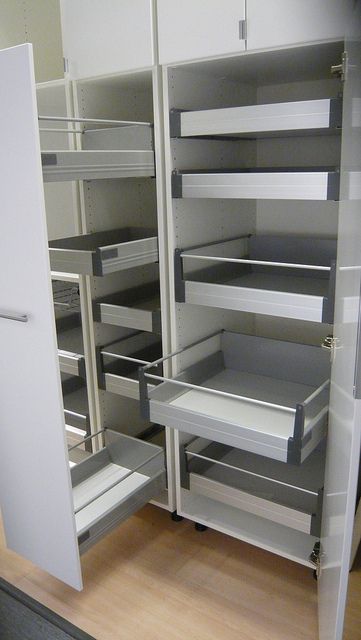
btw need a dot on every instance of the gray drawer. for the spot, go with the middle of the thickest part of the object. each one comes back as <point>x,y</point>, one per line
<point>60,166</point>
<point>119,363</point>
<point>136,308</point>
<point>289,495</point>
<point>114,483</point>
<point>268,397</point>
<point>104,252</point>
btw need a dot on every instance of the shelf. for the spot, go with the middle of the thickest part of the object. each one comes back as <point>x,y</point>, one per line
<point>119,363</point>
<point>315,116</point>
<point>287,494</point>
<point>284,276</point>
<point>136,308</point>
<point>114,483</point>
<point>321,183</point>
<point>104,252</point>
<point>269,397</point>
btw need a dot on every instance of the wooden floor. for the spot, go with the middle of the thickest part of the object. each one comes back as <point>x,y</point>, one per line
<point>154,579</point>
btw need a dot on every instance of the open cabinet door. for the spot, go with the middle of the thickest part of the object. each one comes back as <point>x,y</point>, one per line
<point>35,488</point>
<point>345,403</point>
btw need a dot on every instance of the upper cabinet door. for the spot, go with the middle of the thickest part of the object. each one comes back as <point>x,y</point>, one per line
<point>35,489</point>
<point>276,23</point>
<point>193,29</point>
<point>106,36</point>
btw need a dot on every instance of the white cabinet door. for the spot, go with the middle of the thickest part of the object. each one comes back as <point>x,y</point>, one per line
<point>35,489</point>
<point>199,28</point>
<point>276,23</point>
<point>106,36</point>
<point>343,451</point>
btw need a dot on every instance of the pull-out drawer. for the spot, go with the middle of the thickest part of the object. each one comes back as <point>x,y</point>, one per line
<point>119,363</point>
<point>136,308</point>
<point>104,252</point>
<point>59,166</point>
<point>317,116</point>
<point>288,276</point>
<point>72,363</point>
<point>70,346</point>
<point>285,183</point>
<point>114,483</point>
<point>286,494</point>
<point>269,397</point>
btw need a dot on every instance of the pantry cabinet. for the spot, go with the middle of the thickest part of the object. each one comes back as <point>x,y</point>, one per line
<point>214,244</point>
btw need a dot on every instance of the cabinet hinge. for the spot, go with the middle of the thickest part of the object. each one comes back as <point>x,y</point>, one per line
<point>331,345</point>
<point>242,27</point>
<point>315,558</point>
<point>340,70</point>
<point>66,65</point>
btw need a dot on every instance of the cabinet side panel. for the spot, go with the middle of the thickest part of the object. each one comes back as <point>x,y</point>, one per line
<point>35,490</point>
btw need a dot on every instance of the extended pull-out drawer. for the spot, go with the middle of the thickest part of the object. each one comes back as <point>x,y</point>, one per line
<point>119,362</point>
<point>269,397</point>
<point>114,483</point>
<point>104,252</point>
<point>316,116</point>
<point>136,308</point>
<point>287,276</point>
<point>284,183</point>
<point>286,494</point>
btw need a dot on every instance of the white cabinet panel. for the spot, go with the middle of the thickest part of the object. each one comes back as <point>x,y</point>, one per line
<point>106,36</point>
<point>199,28</point>
<point>275,23</point>
<point>35,490</point>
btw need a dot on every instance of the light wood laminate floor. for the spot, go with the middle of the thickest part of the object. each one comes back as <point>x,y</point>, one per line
<point>154,579</point>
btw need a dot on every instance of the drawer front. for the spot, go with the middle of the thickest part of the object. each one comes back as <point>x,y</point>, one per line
<point>128,317</point>
<point>258,506</point>
<point>71,363</point>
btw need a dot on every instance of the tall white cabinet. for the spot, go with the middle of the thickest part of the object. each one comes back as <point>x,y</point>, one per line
<point>211,182</point>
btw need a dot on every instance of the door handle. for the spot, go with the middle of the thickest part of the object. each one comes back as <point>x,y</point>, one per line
<point>18,317</point>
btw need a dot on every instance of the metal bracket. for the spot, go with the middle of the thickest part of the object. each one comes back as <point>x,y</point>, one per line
<point>315,557</point>
<point>242,29</point>
<point>340,70</point>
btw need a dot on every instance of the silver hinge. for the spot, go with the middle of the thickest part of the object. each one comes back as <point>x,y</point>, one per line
<point>315,557</point>
<point>331,345</point>
<point>66,65</point>
<point>340,70</point>
<point>242,27</point>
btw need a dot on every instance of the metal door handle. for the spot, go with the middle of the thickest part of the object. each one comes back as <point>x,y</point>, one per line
<point>18,317</point>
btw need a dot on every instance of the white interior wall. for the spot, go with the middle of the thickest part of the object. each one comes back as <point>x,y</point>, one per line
<point>39,23</point>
